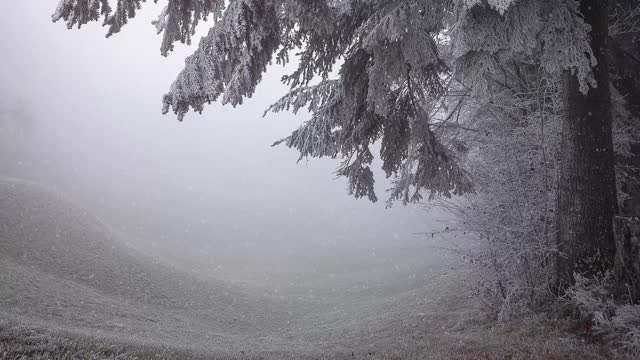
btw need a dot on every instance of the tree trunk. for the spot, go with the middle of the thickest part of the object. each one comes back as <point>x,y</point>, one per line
<point>587,191</point>
<point>627,263</point>
<point>624,67</point>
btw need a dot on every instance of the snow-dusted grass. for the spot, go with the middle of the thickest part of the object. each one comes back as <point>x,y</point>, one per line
<point>533,338</point>
<point>17,342</point>
<point>20,341</point>
<point>530,338</point>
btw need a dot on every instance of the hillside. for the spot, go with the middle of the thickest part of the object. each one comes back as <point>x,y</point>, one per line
<point>59,264</point>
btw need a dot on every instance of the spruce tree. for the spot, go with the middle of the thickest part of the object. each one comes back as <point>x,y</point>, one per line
<point>396,60</point>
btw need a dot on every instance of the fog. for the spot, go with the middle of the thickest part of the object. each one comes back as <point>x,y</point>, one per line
<point>210,193</point>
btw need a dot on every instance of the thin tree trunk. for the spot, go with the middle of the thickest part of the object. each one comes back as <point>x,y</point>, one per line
<point>587,191</point>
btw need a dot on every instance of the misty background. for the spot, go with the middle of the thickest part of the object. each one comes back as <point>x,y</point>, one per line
<point>209,194</point>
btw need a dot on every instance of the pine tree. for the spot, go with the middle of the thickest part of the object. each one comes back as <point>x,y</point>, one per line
<point>397,59</point>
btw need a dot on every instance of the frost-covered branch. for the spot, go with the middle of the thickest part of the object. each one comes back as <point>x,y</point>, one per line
<point>230,59</point>
<point>177,21</point>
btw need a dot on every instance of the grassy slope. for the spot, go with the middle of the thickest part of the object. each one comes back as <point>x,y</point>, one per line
<point>70,290</point>
<point>60,265</point>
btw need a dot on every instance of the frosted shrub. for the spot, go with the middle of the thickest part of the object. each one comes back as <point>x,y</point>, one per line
<point>509,148</point>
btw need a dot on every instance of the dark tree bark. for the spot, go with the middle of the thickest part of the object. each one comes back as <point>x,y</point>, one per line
<point>587,191</point>
<point>627,263</point>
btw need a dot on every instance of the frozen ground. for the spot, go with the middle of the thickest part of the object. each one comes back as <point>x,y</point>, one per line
<point>65,273</point>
